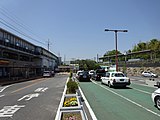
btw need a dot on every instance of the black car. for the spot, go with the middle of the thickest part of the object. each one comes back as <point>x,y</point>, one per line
<point>98,74</point>
<point>84,76</point>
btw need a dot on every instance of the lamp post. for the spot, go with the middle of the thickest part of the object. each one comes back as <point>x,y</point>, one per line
<point>116,31</point>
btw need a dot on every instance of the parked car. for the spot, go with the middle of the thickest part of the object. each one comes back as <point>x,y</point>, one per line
<point>98,74</point>
<point>149,74</point>
<point>84,76</point>
<point>47,74</point>
<point>77,74</point>
<point>91,72</point>
<point>115,79</point>
<point>156,98</point>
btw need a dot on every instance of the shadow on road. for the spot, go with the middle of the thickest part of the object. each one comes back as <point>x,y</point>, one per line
<point>117,87</point>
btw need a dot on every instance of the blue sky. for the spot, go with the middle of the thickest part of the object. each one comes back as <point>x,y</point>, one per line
<point>75,28</point>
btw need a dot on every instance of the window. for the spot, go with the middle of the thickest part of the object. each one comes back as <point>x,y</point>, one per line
<point>24,58</point>
<point>117,75</point>
<point>12,40</point>
<point>107,74</point>
<point>10,55</point>
<point>1,34</point>
<point>9,36</point>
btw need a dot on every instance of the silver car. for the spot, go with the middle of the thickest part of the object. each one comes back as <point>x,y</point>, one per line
<point>47,74</point>
<point>149,74</point>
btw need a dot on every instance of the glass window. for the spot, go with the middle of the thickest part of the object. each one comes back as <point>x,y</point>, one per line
<point>9,36</point>
<point>118,75</point>
<point>12,40</point>
<point>107,74</point>
<point>5,35</point>
<point>1,34</point>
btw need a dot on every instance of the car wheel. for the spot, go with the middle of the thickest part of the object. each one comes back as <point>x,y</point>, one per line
<point>157,101</point>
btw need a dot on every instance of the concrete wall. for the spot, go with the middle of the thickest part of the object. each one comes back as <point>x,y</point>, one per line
<point>136,71</point>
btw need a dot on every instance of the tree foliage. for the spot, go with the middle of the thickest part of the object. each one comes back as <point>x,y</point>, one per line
<point>153,45</point>
<point>110,53</point>
<point>86,64</point>
<point>113,52</point>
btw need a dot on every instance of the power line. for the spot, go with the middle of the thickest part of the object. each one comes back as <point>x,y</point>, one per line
<point>5,13</point>
<point>15,29</point>
<point>14,18</point>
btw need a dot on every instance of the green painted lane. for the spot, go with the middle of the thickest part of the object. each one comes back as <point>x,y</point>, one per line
<point>142,87</point>
<point>109,106</point>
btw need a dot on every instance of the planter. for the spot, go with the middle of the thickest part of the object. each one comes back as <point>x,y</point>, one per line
<point>68,92</point>
<point>71,115</point>
<point>70,102</point>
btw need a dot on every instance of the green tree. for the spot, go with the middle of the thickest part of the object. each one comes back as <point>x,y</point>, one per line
<point>86,64</point>
<point>110,53</point>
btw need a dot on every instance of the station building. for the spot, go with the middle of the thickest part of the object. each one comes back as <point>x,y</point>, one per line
<point>22,59</point>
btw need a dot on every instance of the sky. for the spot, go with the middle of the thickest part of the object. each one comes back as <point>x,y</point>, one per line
<point>75,28</point>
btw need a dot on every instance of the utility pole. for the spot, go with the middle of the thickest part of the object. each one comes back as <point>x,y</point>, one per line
<point>48,44</point>
<point>116,44</point>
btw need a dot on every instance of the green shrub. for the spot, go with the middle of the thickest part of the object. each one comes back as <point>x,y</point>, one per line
<point>72,86</point>
<point>71,74</point>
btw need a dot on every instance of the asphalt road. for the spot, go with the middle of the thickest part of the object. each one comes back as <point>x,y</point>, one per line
<point>131,103</point>
<point>33,100</point>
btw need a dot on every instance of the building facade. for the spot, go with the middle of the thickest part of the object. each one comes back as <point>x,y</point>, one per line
<point>20,58</point>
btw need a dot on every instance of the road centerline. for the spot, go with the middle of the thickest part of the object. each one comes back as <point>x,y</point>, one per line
<point>142,91</point>
<point>129,100</point>
<point>26,87</point>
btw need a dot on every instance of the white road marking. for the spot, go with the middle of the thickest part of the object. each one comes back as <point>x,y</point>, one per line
<point>8,111</point>
<point>88,106</point>
<point>3,88</point>
<point>29,96</point>
<point>142,91</point>
<point>129,100</point>
<point>2,95</point>
<point>43,89</point>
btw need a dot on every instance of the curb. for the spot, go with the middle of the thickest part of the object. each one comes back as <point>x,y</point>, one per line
<point>83,110</point>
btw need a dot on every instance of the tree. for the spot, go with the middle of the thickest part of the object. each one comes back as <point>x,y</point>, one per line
<point>110,53</point>
<point>86,64</point>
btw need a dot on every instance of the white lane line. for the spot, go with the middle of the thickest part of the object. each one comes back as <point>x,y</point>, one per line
<point>2,95</point>
<point>88,106</point>
<point>129,100</point>
<point>142,91</point>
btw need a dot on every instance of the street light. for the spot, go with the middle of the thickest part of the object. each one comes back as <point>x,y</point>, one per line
<point>116,31</point>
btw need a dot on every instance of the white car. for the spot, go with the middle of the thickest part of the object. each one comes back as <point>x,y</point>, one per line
<point>156,98</point>
<point>91,72</point>
<point>115,79</point>
<point>47,74</point>
<point>78,72</point>
<point>149,74</point>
